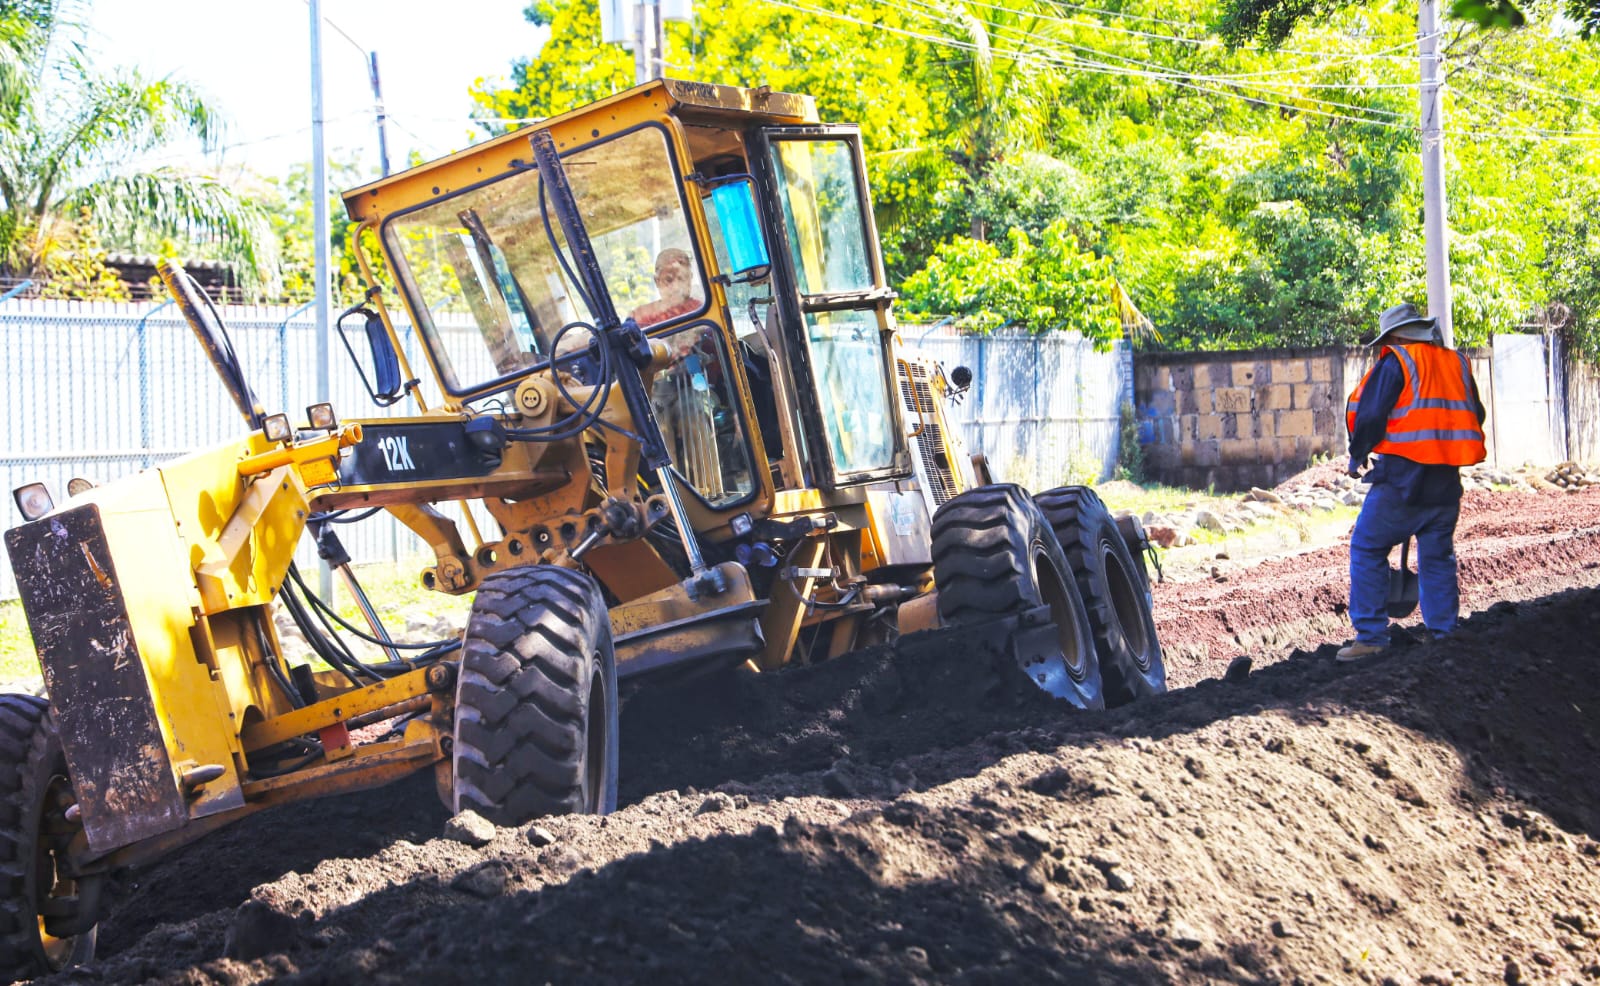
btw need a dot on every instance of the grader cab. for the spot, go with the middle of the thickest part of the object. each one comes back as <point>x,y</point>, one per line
<point>663,370</point>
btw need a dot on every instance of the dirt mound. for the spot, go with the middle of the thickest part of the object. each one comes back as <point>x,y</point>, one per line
<point>909,814</point>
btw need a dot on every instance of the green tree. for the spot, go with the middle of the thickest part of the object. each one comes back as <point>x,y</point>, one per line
<point>65,128</point>
<point>286,204</point>
<point>1270,22</point>
<point>1243,196</point>
<point>1048,286</point>
<point>571,69</point>
<point>913,101</point>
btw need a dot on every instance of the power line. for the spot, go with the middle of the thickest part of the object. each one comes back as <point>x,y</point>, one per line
<point>1526,131</point>
<point>1199,83</point>
<point>343,33</point>
<point>1530,87</point>
<point>1407,42</point>
<point>1057,60</point>
<point>1210,42</point>
<point>1047,41</point>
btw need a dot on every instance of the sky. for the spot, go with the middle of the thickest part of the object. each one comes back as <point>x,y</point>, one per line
<point>252,61</point>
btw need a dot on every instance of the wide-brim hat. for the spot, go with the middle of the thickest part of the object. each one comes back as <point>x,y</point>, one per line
<point>1405,322</point>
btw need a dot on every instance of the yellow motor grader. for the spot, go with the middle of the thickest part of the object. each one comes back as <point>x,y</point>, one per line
<point>667,385</point>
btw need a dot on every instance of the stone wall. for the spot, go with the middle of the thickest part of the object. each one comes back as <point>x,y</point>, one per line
<point>1236,420</point>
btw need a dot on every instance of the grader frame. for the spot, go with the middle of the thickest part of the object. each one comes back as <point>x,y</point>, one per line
<point>754,473</point>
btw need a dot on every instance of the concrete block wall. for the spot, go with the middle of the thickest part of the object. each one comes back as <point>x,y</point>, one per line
<point>1236,420</point>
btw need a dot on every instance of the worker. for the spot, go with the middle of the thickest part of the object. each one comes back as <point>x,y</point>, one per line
<point>674,283</point>
<point>1418,409</point>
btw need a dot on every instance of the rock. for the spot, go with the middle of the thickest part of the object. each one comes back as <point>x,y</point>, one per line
<point>1264,496</point>
<point>1209,520</point>
<point>1165,537</point>
<point>484,880</point>
<point>715,801</point>
<point>1104,859</point>
<point>1119,881</point>
<point>257,930</point>
<point>185,938</point>
<point>563,860</point>
<point>1185,937</point>
<point>471,828</point>
<point>1238,669</point>
<point>1284,929</point>
<point>538,835</point>
<point>838,783</point>
<point>1032,880</point>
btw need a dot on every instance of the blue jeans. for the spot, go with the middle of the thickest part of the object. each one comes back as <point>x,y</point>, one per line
<point>1386,521</point>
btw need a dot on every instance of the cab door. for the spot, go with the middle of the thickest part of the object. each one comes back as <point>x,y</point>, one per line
<point>832,300</point>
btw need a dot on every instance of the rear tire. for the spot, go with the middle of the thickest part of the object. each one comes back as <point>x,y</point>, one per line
<point>536,699</point>
<point>1115,591</point>
<point>35,793</point>
<point>995,556</point>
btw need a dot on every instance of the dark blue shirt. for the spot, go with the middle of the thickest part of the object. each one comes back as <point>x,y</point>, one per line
<point>1421,485</point>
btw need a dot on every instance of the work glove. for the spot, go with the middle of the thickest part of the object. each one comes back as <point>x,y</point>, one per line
<point>1356,468</point>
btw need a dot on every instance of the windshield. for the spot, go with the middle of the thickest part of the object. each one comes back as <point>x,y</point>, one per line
<point>489,290</point>
<point>822,214</point>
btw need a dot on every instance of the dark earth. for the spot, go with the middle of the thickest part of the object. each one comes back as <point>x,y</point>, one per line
<point>914,815</point>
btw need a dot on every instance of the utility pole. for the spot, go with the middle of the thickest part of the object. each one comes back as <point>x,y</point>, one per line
<point>320,234</point>
<point>651,61</point>
<point>1435,231</point>
<point>383,118</point>
<point>641,26</point>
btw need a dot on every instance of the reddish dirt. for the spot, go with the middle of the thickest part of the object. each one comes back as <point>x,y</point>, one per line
<point>909,815</point>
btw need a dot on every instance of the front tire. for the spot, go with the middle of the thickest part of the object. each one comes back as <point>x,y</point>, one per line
<point>35,793</point>
<point>536,699</point>
<point>1115,591</point>
<point>995,556</point>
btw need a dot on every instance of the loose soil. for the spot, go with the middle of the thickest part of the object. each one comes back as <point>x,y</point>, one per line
<point>910,814</point>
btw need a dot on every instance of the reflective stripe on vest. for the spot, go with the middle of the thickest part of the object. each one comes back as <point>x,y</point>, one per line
<point>1434,420</point>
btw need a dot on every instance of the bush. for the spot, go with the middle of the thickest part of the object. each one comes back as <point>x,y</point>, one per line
<point>1045,287</point>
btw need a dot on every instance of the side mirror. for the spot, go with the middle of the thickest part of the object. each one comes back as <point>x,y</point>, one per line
<point>385,364</point>
<point>735,205</point>
<point>385,387</point>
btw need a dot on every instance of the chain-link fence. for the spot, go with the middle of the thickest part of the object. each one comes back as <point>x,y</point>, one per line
<point>102,390</point>
<point>99,391</point>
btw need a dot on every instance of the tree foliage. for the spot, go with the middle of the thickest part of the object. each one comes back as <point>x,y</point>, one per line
<point>1049,286</point>
<point>66,130</point>
<point>1244,196</point>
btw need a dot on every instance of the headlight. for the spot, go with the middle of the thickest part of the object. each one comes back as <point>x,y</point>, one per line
<point>34,500</point>
<point>276,428</point>
<point>322,417</point>
<point>78,484</point>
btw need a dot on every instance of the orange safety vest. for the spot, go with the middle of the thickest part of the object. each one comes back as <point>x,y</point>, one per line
<point>1434,421</point>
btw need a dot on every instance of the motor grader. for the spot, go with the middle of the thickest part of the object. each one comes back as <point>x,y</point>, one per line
<point>745,471</point>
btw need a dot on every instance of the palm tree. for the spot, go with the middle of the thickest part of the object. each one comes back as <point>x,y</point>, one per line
<point>66,131</point>
<point>1006,86</point>
<point>1002,91</point>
